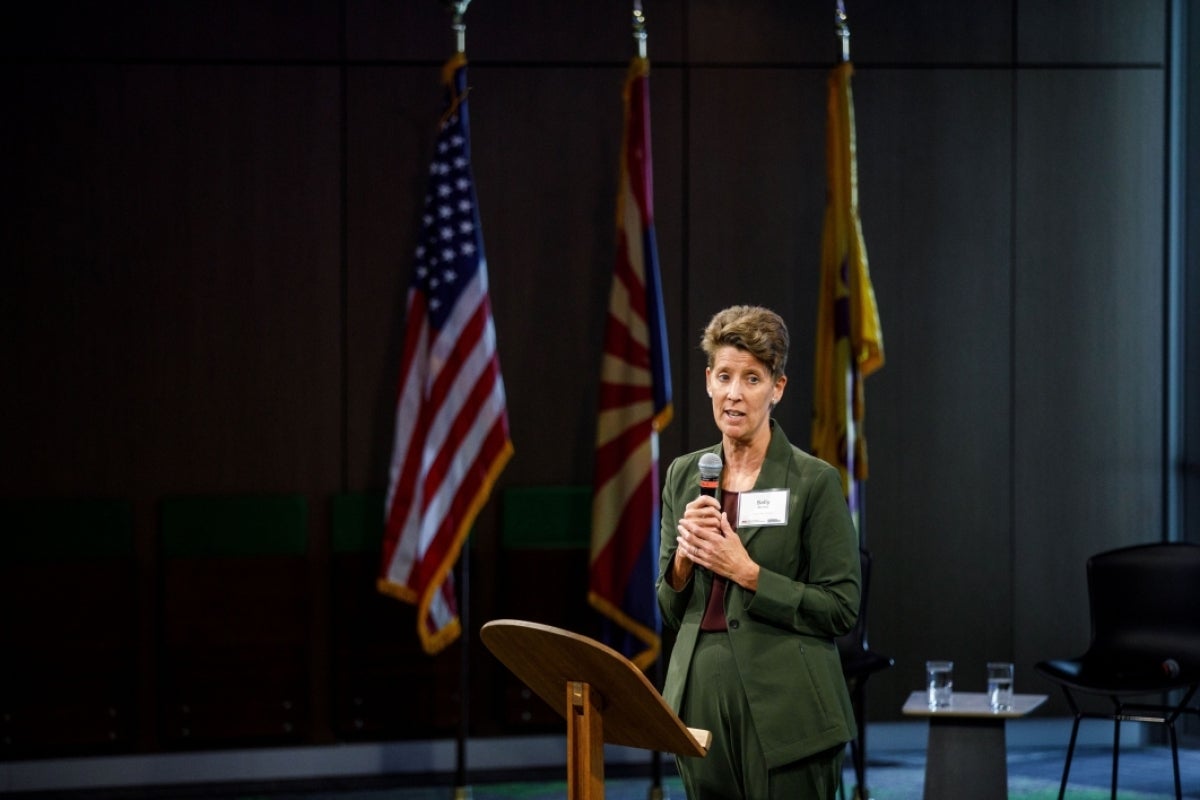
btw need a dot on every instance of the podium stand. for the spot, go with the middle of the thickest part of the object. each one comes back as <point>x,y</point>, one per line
<point>602,696</point>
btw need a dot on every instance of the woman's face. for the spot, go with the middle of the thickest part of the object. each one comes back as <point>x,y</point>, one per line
<point>742,393</point>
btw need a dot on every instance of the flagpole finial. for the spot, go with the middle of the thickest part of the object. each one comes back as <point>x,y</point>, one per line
<point>458,8</point>
<point>639,28</point>
<point>843,29</point>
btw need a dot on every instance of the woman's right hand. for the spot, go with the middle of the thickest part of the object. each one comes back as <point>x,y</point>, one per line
<point>701,516</point>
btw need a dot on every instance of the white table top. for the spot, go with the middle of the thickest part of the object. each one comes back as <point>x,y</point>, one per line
<point>971,704</point>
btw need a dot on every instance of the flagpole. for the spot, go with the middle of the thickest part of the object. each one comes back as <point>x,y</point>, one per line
<point>858,487</point>
<point>458,8</point>
<point>462,789</point>
<point>843,30</point>
<point>639,28</point>
<point>656,767</point>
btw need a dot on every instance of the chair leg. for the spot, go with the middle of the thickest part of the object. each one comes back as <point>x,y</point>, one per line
<point>1062,789</point>
<point>842,782</point>
<point>1175,759</point>
<point>856,755</point>
<point>1116,755</point>
<point>858,748</point>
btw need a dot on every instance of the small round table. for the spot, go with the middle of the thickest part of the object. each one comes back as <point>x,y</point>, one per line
<point>966,752</point>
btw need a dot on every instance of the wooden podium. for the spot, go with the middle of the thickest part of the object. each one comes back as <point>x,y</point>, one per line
<point>600,693</point>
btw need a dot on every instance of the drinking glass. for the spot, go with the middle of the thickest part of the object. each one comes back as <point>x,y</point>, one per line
<point>1000,685</point>
<point>940,678</point>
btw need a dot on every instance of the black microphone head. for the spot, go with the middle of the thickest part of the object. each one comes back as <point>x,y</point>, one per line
<point>1170,668</point>
<point>710,467</point>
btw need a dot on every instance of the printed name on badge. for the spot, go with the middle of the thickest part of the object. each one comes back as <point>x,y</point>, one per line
<point>763,508</point>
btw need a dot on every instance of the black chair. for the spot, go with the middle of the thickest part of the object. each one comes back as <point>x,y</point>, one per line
<point>1145,643</point>
<point>860,662</point>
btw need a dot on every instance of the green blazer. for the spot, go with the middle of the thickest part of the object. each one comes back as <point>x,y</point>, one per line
<point>782,635</point>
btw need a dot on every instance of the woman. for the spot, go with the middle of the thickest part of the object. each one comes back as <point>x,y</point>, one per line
<point>757,581</point>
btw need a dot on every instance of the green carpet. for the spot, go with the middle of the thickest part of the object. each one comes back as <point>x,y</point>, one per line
<point>1033,774</point>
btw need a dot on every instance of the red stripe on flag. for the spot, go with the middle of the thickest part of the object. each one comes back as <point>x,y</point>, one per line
<point>613,566</point>
<point>440,468</point>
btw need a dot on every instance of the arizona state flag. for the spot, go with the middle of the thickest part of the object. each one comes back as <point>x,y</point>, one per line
<point>849,341</point>
<point>635,403</point>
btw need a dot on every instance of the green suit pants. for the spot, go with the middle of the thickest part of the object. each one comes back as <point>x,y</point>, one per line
<point>735,768</point>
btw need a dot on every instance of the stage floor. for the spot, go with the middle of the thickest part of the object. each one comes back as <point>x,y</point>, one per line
<point>1033,774</point>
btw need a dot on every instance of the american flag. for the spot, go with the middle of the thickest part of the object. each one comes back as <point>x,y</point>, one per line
<point>451,431</point>
<point>635,403</point>
<point>849,342</point>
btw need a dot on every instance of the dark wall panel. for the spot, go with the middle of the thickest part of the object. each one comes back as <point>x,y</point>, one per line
<point>528,31</point>
<point>69,587</point>
<point>547,199</point>
<point>185,29</point>
<point>175,244</point>
<point>1188,462</point>
<point>922,31</point>
<point>392,115</point>
<point>1088,433</point>
<point>936,193</point>
<point>755,202</point>
<point>1091,31</point>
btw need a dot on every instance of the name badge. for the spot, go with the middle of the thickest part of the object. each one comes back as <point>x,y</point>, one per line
<point>762,509</point>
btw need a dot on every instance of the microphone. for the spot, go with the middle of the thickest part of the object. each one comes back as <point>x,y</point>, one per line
<point>710,474</point>
<point>1170,668</point>
<point>710,477</point>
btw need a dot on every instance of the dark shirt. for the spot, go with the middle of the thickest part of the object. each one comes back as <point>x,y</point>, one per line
<point>714,612</point>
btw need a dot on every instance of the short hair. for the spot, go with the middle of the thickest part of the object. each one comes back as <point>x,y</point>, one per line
<point>758,331</point>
